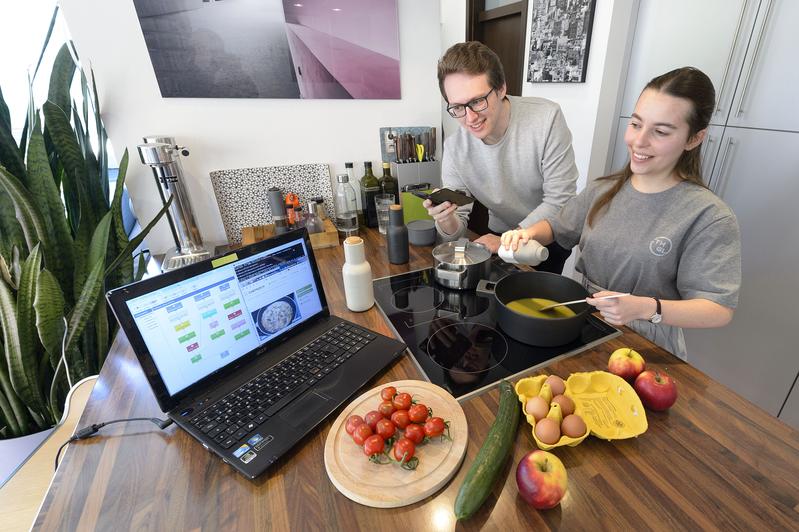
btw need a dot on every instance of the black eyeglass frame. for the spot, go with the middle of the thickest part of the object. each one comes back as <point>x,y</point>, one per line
<point>471,105</point>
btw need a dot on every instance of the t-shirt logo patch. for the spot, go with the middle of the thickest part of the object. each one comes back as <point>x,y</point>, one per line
<point>660,246</point>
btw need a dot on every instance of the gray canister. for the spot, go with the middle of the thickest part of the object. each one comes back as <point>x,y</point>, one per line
<point>278,208</point>
<point>397,236</point>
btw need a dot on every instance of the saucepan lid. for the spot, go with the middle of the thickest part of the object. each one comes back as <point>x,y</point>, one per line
<point>461,253</point>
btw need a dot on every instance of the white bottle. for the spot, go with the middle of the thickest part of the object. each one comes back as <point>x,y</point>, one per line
<point>532,253</point>
<point>357,275</point>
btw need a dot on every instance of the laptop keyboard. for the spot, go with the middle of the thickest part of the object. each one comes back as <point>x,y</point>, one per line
<point>233,417</point>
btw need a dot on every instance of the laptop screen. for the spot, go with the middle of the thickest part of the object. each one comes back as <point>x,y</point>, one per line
<point>205,322</point>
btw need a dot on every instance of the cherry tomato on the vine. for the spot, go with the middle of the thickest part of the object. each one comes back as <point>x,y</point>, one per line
<point>418,413</point>
<point>434,427</point>
<point>361,432</point>
<point>371,418</point>
<point>386,408</point>
<point>402,401</point>
<point>400,419</point>
<point>404,449</point>
<point>374,444</point>
<point>388,393</point>
<point>415,433</point>
<point>352,422</point>
<point>385,428</point>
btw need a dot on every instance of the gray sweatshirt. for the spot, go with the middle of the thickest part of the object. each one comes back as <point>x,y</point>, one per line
<point>526,177</point>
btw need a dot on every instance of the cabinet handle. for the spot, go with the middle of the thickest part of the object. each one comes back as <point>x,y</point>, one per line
<point>729,56</point>
<point>720,180</point>
<point>710,140</point>
<point>755,55</point>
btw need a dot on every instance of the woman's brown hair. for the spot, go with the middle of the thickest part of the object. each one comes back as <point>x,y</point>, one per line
<point>690,84</point>
<point>473,58</point>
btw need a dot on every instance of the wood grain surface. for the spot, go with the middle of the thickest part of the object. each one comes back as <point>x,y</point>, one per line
<point>389,486</point>
<point>714,461</point>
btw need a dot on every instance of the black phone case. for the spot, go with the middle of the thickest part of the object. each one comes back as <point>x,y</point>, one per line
<point>452,196</point>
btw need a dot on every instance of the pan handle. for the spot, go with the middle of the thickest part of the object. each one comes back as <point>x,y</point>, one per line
<point>450,275</point>
<point>485,288</point>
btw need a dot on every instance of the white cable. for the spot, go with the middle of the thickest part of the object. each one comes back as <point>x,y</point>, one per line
<point>64,351</point>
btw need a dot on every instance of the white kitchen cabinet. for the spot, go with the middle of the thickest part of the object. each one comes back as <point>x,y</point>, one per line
<point>756,175</point>
<point>751,160</point>
<point>711,35</point>
<point>766,96</point>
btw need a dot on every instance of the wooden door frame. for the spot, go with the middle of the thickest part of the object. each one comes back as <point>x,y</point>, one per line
<point>476,13</point>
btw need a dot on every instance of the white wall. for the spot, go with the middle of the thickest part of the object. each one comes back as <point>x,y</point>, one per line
<point>241,133</point>
<point>590,107</point>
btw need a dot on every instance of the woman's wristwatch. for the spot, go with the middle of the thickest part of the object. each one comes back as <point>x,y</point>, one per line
<point>657,316</point>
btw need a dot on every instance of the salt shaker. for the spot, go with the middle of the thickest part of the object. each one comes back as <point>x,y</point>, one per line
<point>357,274</point>
<point>532,253</point>
<point>397,236</point>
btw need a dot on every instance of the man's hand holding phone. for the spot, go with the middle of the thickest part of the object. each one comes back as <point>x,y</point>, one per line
<point>443,214</point>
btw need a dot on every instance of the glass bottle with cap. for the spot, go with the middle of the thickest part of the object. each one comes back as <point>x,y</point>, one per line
<point>369,189</point>
<point>346,206</point>
<point>388,183</point>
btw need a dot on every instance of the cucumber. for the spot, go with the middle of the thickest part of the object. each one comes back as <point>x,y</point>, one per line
<point>491,458</point>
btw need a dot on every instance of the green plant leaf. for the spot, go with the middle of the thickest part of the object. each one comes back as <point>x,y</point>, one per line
<point>14,411</point>
<point>48,197</point>
<point>134,243</point>
<point>50,306</point>
<point>31,220</point>
<point>102,137</point>
<point>82,244</point>
<point>124,273</point>
<point>46,40</point>
<point>61,79</point>
<point>22,363</point>
<point>84,306</point>
<point>10,156</point>
<point>70,156</point>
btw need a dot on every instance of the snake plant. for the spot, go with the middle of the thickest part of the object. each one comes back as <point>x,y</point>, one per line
<point>62,245</point>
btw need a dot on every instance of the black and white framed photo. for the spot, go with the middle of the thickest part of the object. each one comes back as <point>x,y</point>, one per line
<point>560,35</point>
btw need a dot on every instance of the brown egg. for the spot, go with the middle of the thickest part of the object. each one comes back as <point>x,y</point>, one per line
<point>573,426</point>
<point>566,404</point>
<point>547,431</point>
<point>556,384</point>
<point>537,407</point>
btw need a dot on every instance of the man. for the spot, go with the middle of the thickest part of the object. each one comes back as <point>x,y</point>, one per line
<point>512,154</point>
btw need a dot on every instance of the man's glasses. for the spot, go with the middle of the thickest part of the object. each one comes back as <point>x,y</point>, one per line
<point>458,110</point>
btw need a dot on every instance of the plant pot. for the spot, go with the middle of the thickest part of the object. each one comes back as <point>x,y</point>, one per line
<point>15,451</point>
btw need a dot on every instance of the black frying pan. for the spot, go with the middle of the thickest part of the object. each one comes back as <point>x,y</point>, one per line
<point>544,332</point>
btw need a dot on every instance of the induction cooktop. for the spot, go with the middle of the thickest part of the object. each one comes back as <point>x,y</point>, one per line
<point>454,338</point>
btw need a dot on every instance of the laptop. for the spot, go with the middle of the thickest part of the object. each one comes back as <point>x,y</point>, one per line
<point>242,353</point>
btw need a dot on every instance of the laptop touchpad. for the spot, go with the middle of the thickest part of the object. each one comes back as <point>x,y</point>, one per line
<point>305,410</point>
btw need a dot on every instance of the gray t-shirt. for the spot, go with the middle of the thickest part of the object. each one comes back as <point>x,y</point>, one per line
<point>525,177</point>
<point>682,243</point>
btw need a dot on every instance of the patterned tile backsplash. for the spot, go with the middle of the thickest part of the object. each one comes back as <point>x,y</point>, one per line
<point>242,198</point>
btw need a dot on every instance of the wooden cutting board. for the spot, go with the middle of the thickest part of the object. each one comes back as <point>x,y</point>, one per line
<point>390,486</point>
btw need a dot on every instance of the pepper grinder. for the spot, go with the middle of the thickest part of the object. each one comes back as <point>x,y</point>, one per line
<point>278,208</point>
<point>357,274</point>
<point>397,236</point>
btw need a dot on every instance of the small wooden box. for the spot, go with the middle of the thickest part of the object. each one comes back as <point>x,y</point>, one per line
<point>326,239</point>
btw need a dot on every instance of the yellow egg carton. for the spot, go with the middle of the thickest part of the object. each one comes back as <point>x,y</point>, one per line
<point>607,403</point>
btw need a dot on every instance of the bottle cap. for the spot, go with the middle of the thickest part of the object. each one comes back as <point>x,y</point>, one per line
<point>347,165</point>
<point>395,207</point>
<point>367,164</point>
<point>386,165</point>
<point>343,178</point>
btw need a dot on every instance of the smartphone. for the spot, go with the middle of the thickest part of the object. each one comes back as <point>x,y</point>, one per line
<point>444,194</point>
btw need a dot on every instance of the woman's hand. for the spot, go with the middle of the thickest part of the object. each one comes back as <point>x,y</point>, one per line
<point>622,310</point>
<point>514,238</point>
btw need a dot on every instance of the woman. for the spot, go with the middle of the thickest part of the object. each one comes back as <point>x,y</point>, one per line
<point>654,229</point>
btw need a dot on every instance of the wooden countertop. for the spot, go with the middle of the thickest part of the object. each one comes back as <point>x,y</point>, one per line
<point>714,461</point>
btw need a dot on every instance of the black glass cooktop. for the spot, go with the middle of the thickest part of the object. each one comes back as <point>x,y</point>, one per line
<point>454,338</point>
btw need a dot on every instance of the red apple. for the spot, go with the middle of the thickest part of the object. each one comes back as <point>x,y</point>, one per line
<point>657,390</point>
<point>626,363</point>
<point>542,480</point>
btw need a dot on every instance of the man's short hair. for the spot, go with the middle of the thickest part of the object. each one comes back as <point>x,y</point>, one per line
<point>473,58</point>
